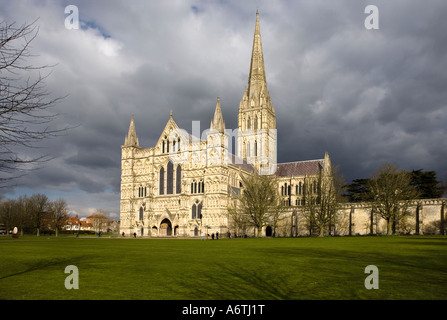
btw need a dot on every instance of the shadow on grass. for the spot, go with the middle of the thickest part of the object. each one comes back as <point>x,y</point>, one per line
<point>47,263</point>
<point>229,282</point>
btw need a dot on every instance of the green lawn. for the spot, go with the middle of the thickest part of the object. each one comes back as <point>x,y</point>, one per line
<point>260,269</point>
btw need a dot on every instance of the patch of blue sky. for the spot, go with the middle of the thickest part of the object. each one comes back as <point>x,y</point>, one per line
<point>85,25</point>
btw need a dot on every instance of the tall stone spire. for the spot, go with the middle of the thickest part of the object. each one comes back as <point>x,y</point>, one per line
<point>131,140</point>
<point>218,123</point>
<point>257,81</point>
<point>256,140</point>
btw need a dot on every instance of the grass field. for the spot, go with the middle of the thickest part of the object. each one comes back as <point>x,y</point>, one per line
<point>242,269</point>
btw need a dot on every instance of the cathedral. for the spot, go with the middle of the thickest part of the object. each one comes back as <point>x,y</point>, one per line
<point>181,187</point>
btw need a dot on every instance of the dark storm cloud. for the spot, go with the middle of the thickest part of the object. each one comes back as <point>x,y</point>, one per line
<point>369,96</point>
<point>92,160</point>
<point>365,96</point>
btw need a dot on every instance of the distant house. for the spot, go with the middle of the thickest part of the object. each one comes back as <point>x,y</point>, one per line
<point>72,224</point>
<point>86,224</point>
<point>92,223</point>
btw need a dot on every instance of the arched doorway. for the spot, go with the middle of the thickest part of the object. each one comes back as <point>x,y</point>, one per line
<point>268,231</point>
<point>196,232</point>
<point>165,228</point>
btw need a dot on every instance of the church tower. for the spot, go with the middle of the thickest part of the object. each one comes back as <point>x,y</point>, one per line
<point>129,184</point>
<point>256,118</point>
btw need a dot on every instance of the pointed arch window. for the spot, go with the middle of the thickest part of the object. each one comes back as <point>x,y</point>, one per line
<point>142,192</point>
<point>248,123</point>
<point>162,181</point>
<point>141,214</point>
<point>256,122</point>
<point>196,210</point>
<point>197,187</point>
<point>199,211</point>
<point>178,179</point>
<point>170,178</point>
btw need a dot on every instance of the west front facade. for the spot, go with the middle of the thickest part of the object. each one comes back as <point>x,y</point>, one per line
<point>182,186</point>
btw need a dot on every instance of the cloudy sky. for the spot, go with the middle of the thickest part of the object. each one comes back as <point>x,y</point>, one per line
<point>367,97</point>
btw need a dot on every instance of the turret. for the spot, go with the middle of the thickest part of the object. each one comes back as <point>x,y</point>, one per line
<point>131,139</point>
<point>218,123</point>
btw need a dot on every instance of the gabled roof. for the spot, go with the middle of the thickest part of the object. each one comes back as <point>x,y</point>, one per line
<point>299,168</point>
<point>170,126</point>
<point>72,221</point>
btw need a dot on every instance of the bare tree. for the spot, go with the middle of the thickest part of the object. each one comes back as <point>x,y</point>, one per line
<point>391,191</point>
<point>37,209</point>
<point>58,214</point>
<point>17,213</point>
<point>238,221</point>
<point>33,214</point>
<point>24,100</point>
<point>7,216</point>
<point>258,204</point>
<point>322,200</point>
<point>99,220</point>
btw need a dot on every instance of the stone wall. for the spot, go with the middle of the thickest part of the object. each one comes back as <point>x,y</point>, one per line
<point>425,217</point>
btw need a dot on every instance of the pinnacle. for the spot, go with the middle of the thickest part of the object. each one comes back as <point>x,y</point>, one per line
<point>218,123</point>
<point>131,140</point>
